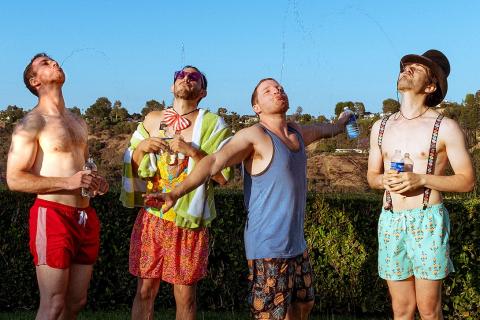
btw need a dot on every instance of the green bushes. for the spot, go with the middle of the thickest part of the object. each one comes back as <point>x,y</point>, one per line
<point>341,235</point>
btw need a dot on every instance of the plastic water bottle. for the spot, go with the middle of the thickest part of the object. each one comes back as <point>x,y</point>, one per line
<point>407,163</point>
<point>89,165</point>
<point>352,125</point>
<point>397,163</point>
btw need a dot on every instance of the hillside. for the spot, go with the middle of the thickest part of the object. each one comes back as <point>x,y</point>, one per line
<point>326,172</point>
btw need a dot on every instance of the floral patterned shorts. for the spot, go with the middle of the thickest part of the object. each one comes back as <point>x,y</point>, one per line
<point>160,249</point>
<point>277,282</point>
<point>414,242</point>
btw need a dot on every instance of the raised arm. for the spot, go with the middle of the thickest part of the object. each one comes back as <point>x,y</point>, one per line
<point>314,132</point>
<point>234,152</point>
<point>21,159</point>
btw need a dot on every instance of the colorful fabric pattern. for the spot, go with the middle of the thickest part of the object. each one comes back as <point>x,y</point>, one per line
<point>175,120</point>
<point>161,250</point>
<point>432,156</point>
<point>277,282</point>
<point>414,242</point>
<point>195,209</point>
<point>168,176</point>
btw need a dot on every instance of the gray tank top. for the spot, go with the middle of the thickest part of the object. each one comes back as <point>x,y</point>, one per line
<point>275,201</point>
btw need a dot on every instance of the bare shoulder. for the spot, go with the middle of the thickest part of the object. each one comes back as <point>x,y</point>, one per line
<point>295,126</point>
<point>450,129</point>
<point>449,124</point>
<point>77,118</point>
<point>31,125</point>
<point>253,132</point>
<point>375,128</point>
<point>152,120</point>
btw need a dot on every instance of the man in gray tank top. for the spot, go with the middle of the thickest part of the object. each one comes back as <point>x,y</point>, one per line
<point>274,166</point>
<point>413,228</point>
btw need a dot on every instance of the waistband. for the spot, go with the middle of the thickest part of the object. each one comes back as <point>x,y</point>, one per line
<point>63,207</point>
<point>436,206</point>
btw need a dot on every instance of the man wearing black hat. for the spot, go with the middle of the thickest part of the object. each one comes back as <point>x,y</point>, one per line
<point>414,225</point>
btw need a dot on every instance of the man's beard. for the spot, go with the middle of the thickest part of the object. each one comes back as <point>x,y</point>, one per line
<point>185,93</point>
<point>404,83</point>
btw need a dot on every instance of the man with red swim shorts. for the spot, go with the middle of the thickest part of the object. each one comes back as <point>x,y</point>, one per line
<point>46,157</point>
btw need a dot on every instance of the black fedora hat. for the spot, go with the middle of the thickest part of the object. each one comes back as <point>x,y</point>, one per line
<point>438,63</point>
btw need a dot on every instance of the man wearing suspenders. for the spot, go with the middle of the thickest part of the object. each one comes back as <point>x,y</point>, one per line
<point>414,225</point>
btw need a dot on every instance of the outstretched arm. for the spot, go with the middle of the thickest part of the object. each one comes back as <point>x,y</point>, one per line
<point>179,145</point>
<point>234,152</point>
<point>314,132</point>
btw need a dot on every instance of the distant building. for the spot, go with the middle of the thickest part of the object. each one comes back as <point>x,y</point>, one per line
<point>369,115</point>
<point>350,151</point>
<point>249,120</point>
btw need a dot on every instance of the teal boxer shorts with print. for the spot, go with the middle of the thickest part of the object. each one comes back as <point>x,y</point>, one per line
<point>414,242</point>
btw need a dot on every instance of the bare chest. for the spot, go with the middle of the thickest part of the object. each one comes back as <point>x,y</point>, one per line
<point>413,138</point>
<point>63,135</point>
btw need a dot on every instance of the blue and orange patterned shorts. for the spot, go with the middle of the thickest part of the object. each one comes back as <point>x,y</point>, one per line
<point>414,242</point>
<point>277,282</point>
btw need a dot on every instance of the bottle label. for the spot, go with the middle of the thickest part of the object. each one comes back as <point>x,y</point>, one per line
<point>397,166</point>
<point>352,131</point>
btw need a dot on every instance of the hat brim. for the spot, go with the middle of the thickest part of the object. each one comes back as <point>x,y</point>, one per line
<point>436,70</point>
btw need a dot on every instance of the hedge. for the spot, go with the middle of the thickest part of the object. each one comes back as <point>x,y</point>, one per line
<point>341,236</point>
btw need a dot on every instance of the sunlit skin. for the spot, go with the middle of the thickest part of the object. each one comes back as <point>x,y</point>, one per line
<point>413,136</point>
<point>188,94</point>
<point>254,148</point>
<point>49,146</point>
<point>46,157</point>
<point>406,188</point>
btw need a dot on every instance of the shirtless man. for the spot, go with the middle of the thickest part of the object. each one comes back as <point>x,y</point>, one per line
<point>414,225</point>
<point>172,245</point>
<point>48,150</point>
<point>275,187</point>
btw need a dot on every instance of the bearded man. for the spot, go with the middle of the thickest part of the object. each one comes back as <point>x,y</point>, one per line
<point>172,246</point>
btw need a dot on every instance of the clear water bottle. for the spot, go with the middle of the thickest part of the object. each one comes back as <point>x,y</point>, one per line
<point>397,163</point>
<point>352,125</point>
<point>407,163</point>
<point>89,165</point>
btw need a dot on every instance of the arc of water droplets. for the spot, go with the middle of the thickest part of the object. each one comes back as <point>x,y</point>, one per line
<point>283,40</point>
<point>81,50</point>
<point>183,55</point>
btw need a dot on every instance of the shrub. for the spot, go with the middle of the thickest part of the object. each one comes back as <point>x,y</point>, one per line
<point>341,236</point>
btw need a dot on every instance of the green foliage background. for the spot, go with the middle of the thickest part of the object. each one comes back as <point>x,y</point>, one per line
<point>340,232</point>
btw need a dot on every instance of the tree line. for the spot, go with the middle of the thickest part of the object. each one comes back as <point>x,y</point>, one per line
<point>105,115</point>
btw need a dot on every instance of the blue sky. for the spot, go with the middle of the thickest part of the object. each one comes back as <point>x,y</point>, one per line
<point>323,52</point>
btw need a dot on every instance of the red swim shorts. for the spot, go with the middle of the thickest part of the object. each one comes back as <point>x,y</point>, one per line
<point>62,235</point>
<point>161,250</point>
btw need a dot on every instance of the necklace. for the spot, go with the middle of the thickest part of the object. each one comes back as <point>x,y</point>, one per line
<point>184,114</point>
<point>421,114</point>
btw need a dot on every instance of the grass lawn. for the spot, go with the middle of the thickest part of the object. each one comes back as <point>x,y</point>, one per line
<point>164,315</point>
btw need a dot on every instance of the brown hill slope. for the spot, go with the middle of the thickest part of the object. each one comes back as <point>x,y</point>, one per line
<point>325,172</point>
